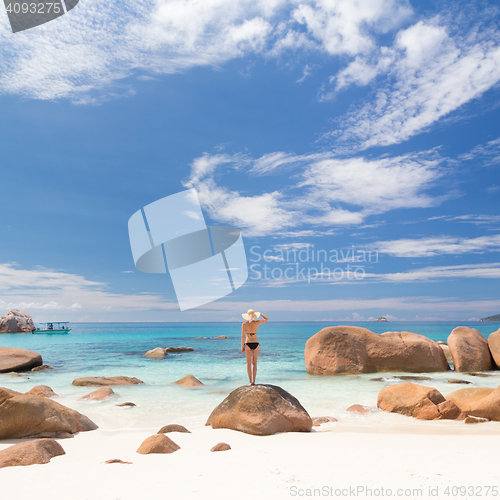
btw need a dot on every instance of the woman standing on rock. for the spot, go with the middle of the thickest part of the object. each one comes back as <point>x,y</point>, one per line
<point>249,342</point>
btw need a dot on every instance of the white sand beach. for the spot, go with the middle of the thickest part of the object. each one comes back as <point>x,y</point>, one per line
<point>409,460</point>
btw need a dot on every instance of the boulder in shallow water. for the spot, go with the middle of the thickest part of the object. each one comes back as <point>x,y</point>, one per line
<point>351,349</point>
<point>42,390</point>
<point>179,349</point>
<point>478,401</point>
<point>99,395</point>
<point>359,409</point>
<point>42,368</point>
<point>418,401</point>
<point>494,346</point>
<point>317,421</point>
<point>16,321</point>
<point>18,360</point>
<point>127,404</point>
<point>262,410</point>
<point>189,381</point>
<point>39,451</point>
<point>103,381</point>
<point>25,415</point>
<point>157,352</point>
<point>469,350</point>
<point>159,443</point>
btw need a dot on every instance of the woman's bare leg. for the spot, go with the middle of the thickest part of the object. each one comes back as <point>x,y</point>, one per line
<point>255,355</point>
<point>248,354</point>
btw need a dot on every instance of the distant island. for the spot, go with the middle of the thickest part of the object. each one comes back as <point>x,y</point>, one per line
<point>491,318</point>
<point>382,319</point>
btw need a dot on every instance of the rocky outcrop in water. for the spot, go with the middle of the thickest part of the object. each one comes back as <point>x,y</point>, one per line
<point>351,349</point>
<point>469,350</point>
<point>16,321</point>
<point>18,360</point>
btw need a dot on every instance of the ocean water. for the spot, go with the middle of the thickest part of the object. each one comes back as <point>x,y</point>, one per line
<point>109,349</point>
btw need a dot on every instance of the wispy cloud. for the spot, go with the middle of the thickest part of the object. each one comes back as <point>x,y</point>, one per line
<point>438,245</point>
<point>323,191</point>
<point>42,289</point>
<point>476,219</point>
<point>85,55</point>
<point>484,154</point>
<point>432,69</point>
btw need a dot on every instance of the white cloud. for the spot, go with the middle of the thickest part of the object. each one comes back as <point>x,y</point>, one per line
<point>485,155</point>
<point>439,245</point>
<point>43,289</point>
<point>378,185</point>
<point>429,74</point>
<point>476,219</point>
<point>342,26</point>
<point>258,215</point>
<point>326,191</point>
<point>100,43</point>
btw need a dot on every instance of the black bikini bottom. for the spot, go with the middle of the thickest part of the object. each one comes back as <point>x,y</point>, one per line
<point>252,345</point>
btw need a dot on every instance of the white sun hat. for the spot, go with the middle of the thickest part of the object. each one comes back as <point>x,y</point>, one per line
<point>251,315</point>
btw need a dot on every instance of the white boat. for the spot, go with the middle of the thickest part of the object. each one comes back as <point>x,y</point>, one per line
<point>60,327</point>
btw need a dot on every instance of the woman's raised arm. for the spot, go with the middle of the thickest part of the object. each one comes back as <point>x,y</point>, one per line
<point>265,318</point>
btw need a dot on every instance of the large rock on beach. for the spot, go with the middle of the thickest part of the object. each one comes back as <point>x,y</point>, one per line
<point>16,321</point>
<point>189,381</point>
<point>478,401</point>
<point>18,360</point>
<point>39,451</point>
<point>469,350</point>
<point>494,346</point>
<point>42,390</point>
<point>351,349</point>
<point>25,415</point>
<point>418,401</point>
<point>261,410</point>
<point>99,395</point>
<point>103,381</point>
<point>159,443</point>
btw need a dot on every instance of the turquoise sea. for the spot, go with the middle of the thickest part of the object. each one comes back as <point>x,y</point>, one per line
<point>107,349</point>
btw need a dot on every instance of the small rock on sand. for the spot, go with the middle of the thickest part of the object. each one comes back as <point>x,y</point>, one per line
<point>38,451</point>
<point>220,447</point>
<point>159,443</point>
<point>127,404</point>
<point>116,461</point>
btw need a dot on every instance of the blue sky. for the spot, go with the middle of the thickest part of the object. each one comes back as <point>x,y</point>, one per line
<point>330,125</point>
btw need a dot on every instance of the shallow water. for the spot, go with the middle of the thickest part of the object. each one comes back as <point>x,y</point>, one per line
<point>107,349</point>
